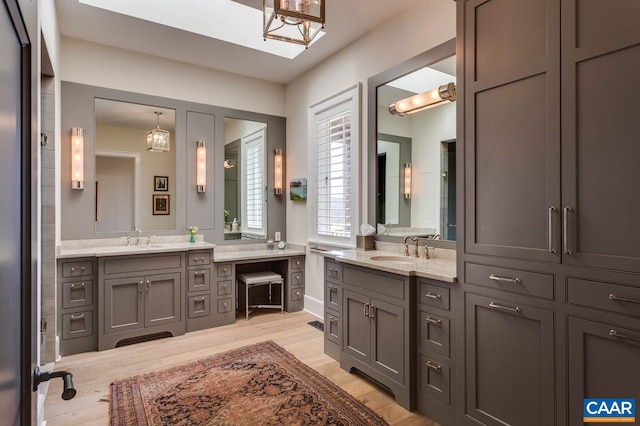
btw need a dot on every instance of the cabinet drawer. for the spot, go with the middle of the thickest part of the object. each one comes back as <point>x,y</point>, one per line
<point>224,288</point>
<point>332,328</point>
<point>297,293</point>
<point>435,379</point>
<point>200,258</point>
<point>621,299</point>
<point>76,325</point>
<point>510,280</point>
<point>333,271</point>
<point>372,281</point>
<point>199,280</point>
<point>77,269</point>
<point>199,306</point>
<point>434,295</point>
<point>224,305</point>
<point>297,263</point>
<point>333,296</point>
<point>77,294</point>
<point>137,264</point>
<point>297,278</point>
<point>434,333</point>
<point>224,270</point>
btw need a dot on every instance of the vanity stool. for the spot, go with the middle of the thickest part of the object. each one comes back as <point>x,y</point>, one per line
<point>257,279</point>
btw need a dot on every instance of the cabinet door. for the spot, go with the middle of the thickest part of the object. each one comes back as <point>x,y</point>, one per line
<point>162,301</point>
<point>600,125</point>
<point>604,362</point>
<point>123,304</point>
<point>388,344</point>
<point>509,362</point>
<point>356,331</point>
<point>512,128</point>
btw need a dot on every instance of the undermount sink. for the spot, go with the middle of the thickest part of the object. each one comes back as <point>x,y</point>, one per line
<point>395,260</point>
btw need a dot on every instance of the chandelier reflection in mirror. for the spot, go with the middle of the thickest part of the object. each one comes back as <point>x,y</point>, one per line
<point>293,21</point>
<point>158,139</point>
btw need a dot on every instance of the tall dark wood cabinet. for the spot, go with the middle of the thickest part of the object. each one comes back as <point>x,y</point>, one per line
<point>548,240</point>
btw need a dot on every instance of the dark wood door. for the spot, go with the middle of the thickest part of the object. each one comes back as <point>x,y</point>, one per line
<point>163,299</point>
<point>604,362</point>
<point>123,304</point>
<point>601,124</point>
<point>17,295</point>
<point>356,325</point>
<point>388,344</point>
<point>509,362</point>
<point>512,128</point>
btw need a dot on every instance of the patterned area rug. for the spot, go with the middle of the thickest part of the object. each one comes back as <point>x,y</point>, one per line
<point>260,384</point>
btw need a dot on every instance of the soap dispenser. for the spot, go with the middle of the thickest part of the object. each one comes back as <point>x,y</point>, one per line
<point>234,225</point>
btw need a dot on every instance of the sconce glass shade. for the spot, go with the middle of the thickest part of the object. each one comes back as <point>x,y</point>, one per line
<point>293,21</point>
<point>77,158</point>
<point>407,181</point>
<point>201,166</point>
<point>424,100</point>
<point>158,139</point>
<point>277,172</point>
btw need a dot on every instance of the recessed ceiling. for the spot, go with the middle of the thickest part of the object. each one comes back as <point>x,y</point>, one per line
<point>346,21</point>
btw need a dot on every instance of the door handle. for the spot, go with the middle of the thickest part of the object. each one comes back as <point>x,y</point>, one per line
<point>365,310</point>
<point>551,249</point>
<point>140,287</point>
<point>372,312</point>
<point>565,225</point>
<point>148,286</point>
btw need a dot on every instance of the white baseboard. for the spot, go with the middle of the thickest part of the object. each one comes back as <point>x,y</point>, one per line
<point>314,307</point>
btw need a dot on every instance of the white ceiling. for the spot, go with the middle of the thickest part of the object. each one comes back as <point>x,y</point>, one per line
<point>346,21</point>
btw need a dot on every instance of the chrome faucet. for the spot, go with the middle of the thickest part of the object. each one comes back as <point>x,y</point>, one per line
<point>138,234</point>
<point>426,251</point>
<point>406,246</point>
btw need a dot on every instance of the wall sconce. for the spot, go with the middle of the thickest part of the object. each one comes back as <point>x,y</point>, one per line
<point>77,158</point>
<point>422,101</point>
<point>201,166</point>
<point>293,21</point>
<point>277,171</point>
<point>406,190</point>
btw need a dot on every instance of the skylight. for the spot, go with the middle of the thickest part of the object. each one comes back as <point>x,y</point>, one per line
<point>224,20</point>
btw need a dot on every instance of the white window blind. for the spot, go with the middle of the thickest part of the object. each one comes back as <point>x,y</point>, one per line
<point>334,175</point>
<point>253,182</point>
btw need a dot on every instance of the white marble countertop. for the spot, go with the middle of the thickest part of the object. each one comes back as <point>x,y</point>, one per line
<point>233,256</point>
<point>437,269</point>
<point>117,247</point>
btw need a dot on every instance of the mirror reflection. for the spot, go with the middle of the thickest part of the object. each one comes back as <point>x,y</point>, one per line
<point>416,155</point>
<point>245,182</point>
<point>135,185</point>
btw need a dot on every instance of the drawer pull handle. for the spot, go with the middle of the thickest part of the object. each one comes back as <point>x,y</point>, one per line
<point>372,312</point>
<point>365,310</point>
<point>550,242</point>
<point>505,279</point>
<point>506,308</point>
<point>199,299</point>
<point>622,336</point>
<point>73,269</point>
<point>432,296</point>
<point>81,285</point>
<point>198,259</point>
<point>433,321</point>
<point>224,270</point>
<point>77,317</point>
<point>198,273</point>
<point>565,224</point>
<point>621,299</point>
<point>333,320</point>
<point>433,366</point>
<point>225,287</point>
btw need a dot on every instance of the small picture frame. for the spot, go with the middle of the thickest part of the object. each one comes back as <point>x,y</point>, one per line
<point>161,183</point>
<point>298,189</point>
<point>160,204</point>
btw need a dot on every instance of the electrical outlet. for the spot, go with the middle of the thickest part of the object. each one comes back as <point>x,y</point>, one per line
<point>277,236</point>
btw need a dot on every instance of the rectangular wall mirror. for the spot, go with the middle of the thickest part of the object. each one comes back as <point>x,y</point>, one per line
<point>134,187</point>
<point>414,153</point>
<point>245,179</point>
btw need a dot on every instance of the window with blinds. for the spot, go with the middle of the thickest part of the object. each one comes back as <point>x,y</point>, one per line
<point>253,182</point>
<point>333,168</point>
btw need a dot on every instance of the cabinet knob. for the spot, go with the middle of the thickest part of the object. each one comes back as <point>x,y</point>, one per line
<point>225,304</point>
<point>224,287</point>
<point>297,263</point>
<point>297,293</point>
<point>224,270</point>
<point>297,277</point>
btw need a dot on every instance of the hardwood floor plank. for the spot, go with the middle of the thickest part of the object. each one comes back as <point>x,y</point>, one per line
<point>94,371</point>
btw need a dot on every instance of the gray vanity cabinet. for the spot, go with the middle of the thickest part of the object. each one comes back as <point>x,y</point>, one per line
<point>200,296</point>
<point>140,295</point>
<point>332,308</point>
<point>295,295</point>
<point>224,306</point>
<point>376,329</point>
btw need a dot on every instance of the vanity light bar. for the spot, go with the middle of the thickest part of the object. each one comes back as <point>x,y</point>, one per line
<point>422,101</point>
<point>277,171</point>
<point>77,158</point>
<point>406,190</point>
<point>201,166</point>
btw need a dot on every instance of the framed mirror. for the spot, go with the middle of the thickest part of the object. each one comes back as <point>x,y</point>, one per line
<point>413,152</point>
<point>135,186</point>
<point>245,179</point>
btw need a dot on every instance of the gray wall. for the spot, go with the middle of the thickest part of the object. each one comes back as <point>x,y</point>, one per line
<point>193,122</point>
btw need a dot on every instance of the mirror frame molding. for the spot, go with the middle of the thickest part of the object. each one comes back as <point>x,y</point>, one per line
<point>194,121</point>
<point>422,60</point>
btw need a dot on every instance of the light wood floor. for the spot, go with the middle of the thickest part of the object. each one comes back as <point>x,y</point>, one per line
<point>94,371</point>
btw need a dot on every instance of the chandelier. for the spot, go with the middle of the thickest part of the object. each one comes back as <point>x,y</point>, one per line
<point>158,139</point>
<point>293,21</point>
